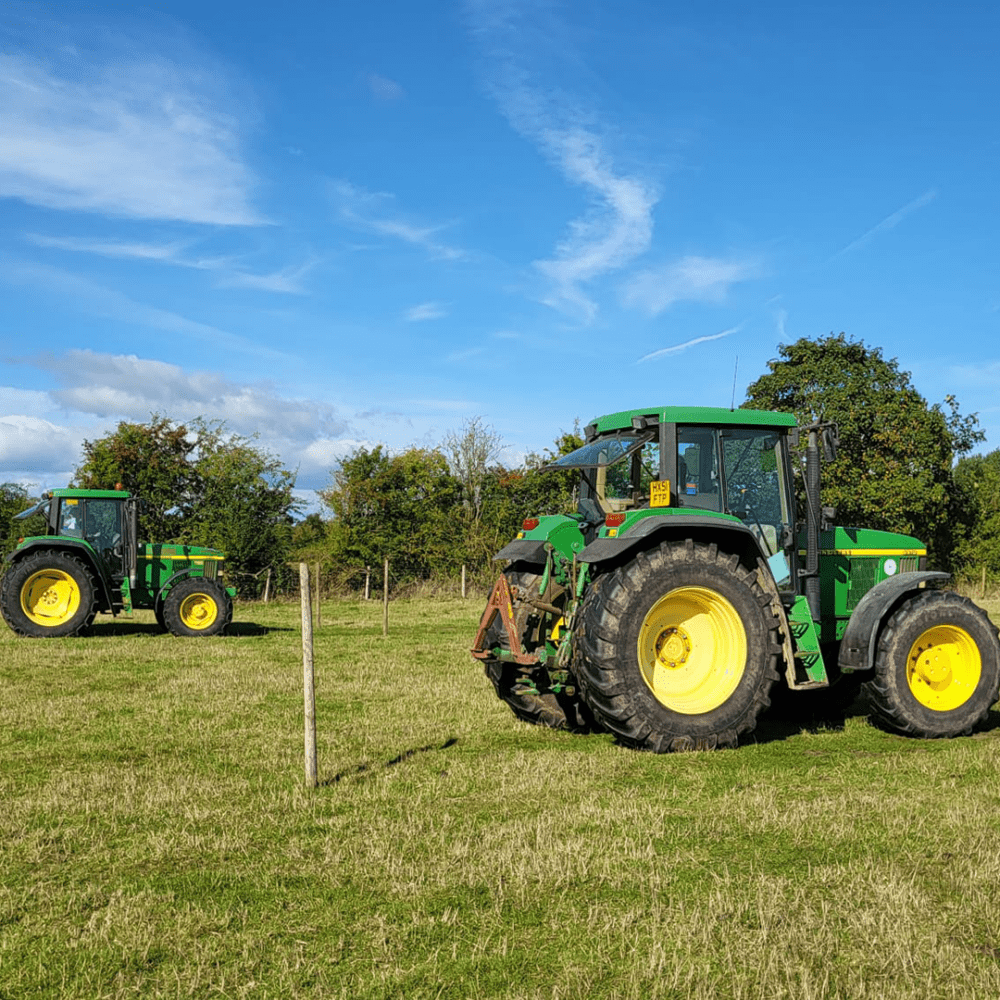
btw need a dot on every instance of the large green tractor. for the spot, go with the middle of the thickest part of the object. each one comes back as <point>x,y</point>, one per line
<point>90,560</point>
<point>684,590</point>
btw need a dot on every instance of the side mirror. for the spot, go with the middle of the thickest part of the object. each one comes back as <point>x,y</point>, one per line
<point>831,442</point>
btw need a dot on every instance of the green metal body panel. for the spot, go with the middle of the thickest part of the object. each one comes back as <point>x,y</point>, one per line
<point>159,565</point>
<point>852,561</point>
<point>806,636</point>
<point>73,494</point>
<point>561,531</point>
<point>711,415</point>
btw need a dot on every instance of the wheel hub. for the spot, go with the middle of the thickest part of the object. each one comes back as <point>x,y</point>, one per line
<point>673,646</point>
<point>930,665</point>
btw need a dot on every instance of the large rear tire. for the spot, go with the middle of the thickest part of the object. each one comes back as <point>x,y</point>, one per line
<point>557,711</point>
<point>197,607</point>
<point>678,649</point>
<point>937,667</point>
<point>48,595</point>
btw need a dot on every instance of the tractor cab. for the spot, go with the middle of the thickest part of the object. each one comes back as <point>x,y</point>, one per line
<point>102,520</point>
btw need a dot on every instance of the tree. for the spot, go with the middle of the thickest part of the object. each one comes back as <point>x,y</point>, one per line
<point>405,507</point>
<point>14,499</point>
<point>470,453</point>
<point>153,461</point>
<point>203,486</point>
<point>977,481</point>
<point>894,466</point>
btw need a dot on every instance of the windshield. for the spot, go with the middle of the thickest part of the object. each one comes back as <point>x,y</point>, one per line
<point>602,452</point>
<point>39,508</point>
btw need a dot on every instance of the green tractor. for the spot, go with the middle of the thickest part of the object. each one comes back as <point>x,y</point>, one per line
<point>90,560</point>
<point>684,590</point>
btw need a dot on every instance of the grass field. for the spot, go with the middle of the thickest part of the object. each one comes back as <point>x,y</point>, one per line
<point>157,840</point>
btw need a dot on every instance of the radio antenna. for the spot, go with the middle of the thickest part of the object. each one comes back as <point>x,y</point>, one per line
<point>736,368</point>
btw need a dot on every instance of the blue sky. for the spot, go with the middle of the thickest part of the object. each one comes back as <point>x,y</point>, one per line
<point>335,225</point>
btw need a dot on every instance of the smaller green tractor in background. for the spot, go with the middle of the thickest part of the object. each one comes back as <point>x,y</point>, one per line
<point>90,560</point>
<point>686,591</point>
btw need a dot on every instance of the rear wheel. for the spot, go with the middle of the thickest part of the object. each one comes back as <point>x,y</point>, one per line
<point>197,607</point>
<point>937,667</point>
<point>678,649</point>
<point>513,683</point>
<point>48,595</point>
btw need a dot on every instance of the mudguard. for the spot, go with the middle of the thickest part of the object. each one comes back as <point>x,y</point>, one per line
<point>529,550</point>
<point>608,548</point>
<point>857,648</point>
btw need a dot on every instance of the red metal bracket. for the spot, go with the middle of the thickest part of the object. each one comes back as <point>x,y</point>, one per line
<point>501,602</point>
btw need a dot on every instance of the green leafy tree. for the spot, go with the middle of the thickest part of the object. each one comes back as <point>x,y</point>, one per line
<point>154,461</point>
<point>977,480</point>
<point>14,499</point>
<point>894,465</point>
<point>406,507</point>
<point>202,485</point>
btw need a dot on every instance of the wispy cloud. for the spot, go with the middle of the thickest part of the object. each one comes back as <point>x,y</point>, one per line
<point>124,385</point>
<point>692,279</point>
<point>133,138</point>
<point>425,311</point>
<point>618,225</point>
<point>382,87</point>
<point>95,299</point>
<point>889,222</point>
<point>367,210</point>
<point>229,274</point>
<point>677,348</point>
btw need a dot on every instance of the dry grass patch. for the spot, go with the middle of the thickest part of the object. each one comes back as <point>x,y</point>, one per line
<point>157,840</point>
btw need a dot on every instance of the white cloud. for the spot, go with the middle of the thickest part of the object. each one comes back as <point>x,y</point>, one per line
<point>695,279</point>
<point>425,311</point>
<point>28,442</point>
<point>127,386</point>
<point>382,87</point>
<point>367,210</point>
<point>618,227</point>
<point>677,348</point>
<point>287,279</point>
<point>889,222</point>
<point>98,300</point>
<point>139,138</point>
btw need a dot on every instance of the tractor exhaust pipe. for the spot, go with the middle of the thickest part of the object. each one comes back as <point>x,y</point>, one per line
<point>812,523</point>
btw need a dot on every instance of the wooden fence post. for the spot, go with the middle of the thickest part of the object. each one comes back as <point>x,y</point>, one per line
<point>308,678</point>
<point>385,597</point>
<point>463,581</point>
<point>983,594</point>
<point>368,582</point>
<point>267,585</point>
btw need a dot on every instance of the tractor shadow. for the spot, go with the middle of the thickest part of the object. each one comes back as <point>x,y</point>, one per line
<point>106,629</point>
<point>782,722</point>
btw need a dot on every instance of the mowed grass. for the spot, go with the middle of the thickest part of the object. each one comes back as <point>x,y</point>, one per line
<point>157,840</point>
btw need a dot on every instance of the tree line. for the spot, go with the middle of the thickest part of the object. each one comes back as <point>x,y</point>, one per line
<point>903,465</point>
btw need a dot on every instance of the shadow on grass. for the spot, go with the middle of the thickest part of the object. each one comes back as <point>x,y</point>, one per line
<point>126,627</point>
<point>398,759</point>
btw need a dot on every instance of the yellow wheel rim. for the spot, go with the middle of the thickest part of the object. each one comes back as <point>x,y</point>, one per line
<point>199,611</point>
<point>50,597</point>
<point>692,650</point>
<point>944,667</point>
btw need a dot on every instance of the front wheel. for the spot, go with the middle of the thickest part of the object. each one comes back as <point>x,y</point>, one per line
<point>937,667</point>
<point>197,607</point>
<point>678,649</point>
<point>48,595</point>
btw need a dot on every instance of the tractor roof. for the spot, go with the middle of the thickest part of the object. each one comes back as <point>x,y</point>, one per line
<point>714,416</point>
<point>90,494</point>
